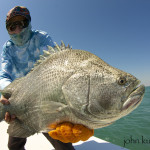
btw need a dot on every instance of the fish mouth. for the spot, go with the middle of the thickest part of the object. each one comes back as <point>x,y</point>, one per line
<point>134,99</point>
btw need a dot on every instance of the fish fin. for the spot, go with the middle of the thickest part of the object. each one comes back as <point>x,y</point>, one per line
<point>7,91</point>
<point>6,94</point>
<point>16,129</point>
<point>51,107</point>
<point>51,111</point>
<point>47,53</point>
<point>77,99</point>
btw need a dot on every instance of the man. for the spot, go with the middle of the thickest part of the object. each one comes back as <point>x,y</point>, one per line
<point>18,57</point>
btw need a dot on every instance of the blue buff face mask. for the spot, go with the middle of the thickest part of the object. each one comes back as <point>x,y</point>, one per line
<point>23,37</point>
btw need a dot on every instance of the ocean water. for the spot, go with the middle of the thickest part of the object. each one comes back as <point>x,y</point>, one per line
<point>131,131</point>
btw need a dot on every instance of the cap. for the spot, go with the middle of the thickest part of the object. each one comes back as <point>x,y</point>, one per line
<point>18,11</point>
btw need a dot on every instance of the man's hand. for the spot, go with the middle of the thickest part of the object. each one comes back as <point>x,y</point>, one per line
<point>8,117</point>
<point>71,133</point>
<point>4,101</point>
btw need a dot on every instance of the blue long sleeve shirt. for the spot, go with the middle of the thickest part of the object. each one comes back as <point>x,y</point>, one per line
<point>17,61</point>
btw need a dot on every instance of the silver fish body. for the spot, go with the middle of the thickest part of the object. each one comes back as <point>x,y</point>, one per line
<point>70,85</point>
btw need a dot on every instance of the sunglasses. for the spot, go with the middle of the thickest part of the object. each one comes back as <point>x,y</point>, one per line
<point>21,24</point>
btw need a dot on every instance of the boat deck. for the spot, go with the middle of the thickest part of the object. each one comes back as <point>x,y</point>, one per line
<point>39,142</point>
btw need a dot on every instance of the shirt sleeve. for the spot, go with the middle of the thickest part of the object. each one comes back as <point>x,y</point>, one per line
<point>45,41</point>
<point>6,68</point>
<point>48,41</point>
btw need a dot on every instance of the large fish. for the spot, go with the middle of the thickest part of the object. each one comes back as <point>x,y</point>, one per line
<point>70,85</point>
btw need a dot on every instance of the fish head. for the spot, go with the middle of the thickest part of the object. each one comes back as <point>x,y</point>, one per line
<point>99,94</point>
<point>112,94</point>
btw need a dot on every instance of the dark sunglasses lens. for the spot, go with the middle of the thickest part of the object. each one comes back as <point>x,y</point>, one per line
<point>25,23</point>
<point>22,24</point>
<point>12,28</point>
<point>15,24</point>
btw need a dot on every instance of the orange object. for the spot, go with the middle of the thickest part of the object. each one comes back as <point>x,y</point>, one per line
<point>71,133</point>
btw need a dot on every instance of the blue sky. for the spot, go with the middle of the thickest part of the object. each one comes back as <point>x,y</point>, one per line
<point>118,31</point>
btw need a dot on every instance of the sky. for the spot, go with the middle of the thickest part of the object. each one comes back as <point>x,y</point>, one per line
<point>117,31</point>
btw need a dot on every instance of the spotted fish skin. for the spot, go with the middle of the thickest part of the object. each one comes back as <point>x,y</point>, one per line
<point>69,85</point>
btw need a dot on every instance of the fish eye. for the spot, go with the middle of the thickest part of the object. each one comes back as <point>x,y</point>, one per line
<point>122,81</point>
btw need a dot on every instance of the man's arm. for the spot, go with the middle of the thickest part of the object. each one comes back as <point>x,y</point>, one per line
<point>6,69</point>
<point>45,41</point>
<point>5,80</point>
